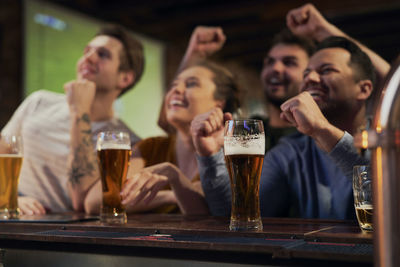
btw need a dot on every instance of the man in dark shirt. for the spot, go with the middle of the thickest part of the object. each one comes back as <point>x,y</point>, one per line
<point>306,175</point>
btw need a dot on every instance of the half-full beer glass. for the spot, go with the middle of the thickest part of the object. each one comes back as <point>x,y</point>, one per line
<point>244,148</point>
<point>113,153</point>
<point>10,166</point>
<point>362,190</point>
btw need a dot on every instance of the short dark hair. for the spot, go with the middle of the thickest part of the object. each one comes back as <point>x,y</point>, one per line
<point>359,61</point>
<point>226,85</point>
<point>131,57</point>
<point>286,37</point>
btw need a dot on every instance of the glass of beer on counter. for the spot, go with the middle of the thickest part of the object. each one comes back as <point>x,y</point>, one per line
<point>10,166</point>
<point>244,148</point>
<point>113,154</point>
<point>362,190</point>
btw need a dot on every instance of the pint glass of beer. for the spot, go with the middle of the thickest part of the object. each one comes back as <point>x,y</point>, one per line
<point>10,166</point>
<point>362,190</point>
<point>113,154</point>
<point>244,148</point>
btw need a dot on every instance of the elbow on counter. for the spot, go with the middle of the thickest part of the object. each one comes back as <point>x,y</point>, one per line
<point>91,207</point>
<point>88,201</point>
<point>93,199</point>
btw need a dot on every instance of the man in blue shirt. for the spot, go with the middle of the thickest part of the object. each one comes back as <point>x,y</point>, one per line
<point>300,176</point>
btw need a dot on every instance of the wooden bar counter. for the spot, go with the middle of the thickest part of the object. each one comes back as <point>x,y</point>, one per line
<point>176,240</point>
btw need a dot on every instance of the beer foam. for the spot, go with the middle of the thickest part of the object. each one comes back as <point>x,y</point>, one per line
<point>114,146</point>
<point>11,156</point>
<point>249,145</point>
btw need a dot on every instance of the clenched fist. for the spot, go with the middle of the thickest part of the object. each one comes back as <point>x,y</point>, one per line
<point>205,41</point>
<point>307,21</point>
<point>207,131</point>
<point>80,95</point>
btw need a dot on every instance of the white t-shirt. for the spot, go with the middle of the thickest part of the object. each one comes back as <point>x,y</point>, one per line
<point>44,124</point>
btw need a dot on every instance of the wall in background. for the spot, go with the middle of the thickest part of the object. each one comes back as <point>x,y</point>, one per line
<point>10,58</point>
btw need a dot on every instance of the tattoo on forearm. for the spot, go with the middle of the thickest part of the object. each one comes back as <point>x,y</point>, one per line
<point>85,118</point>
<point>82,164</point>
<point>81,167</point>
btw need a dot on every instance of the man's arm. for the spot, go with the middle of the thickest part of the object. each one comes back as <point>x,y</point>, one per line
<point>307,21</point>
<point>303,113</point>
<point>82,162</point>
<point>345,155</point>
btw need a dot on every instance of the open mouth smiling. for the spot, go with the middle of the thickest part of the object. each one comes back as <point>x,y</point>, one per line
<point>317,93</point>
<point>178,103</point>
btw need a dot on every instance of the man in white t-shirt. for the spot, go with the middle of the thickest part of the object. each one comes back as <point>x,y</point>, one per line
<point>59,130</point>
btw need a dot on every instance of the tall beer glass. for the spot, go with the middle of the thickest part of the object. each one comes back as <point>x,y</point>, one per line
<point>113,154</point>
<point>10,166</point>
<point>362,190</point>
<point>244,148</point>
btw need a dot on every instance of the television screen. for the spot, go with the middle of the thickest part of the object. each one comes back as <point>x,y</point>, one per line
<point>54,40</point>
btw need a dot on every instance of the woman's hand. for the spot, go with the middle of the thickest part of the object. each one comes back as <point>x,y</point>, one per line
<point>144,191</point>
<point>30,206</point>
<point>143,186</point>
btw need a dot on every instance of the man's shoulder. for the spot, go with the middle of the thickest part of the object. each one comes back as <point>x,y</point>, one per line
<point>41,101</point>
<point>45,96</point>
<point>46,93</point>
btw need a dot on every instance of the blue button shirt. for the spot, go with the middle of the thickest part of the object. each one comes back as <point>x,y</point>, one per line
<point>298,180</point>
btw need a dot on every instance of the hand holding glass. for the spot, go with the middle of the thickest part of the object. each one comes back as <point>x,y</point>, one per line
<point>244,148</point>
<point>113,154</point>
<point>10,166</point>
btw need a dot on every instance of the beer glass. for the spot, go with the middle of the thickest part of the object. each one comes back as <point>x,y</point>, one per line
<point>10,166</point>
<point>362,190</point>
<point>113,154</point>
<point>244,148</point>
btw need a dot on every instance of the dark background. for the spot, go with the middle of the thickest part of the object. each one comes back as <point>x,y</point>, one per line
<point>248,25</point>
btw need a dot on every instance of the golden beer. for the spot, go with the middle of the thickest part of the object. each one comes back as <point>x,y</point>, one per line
<point>362,190</point>
<point>244,148</point>
<point>10,166</point>
<point>245,172</point>
<point>364,216</point>
<point>113,163</point>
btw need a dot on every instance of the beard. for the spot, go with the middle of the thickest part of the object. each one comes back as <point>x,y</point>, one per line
<point>275,101</point>
<point>337,111</point>
<point>290,91</point>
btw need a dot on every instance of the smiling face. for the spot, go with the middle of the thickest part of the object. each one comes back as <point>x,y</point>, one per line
<point>191,94</point>
<point>100,63</point>
<point>282,73</point>
<point>330,80</point>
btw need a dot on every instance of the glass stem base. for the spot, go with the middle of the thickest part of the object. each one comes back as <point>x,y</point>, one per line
<point>251,225</point>
<point>13,214</point>
<point>113,218</point>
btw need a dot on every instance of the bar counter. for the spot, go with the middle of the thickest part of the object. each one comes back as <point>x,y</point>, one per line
<point>177,240</point>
